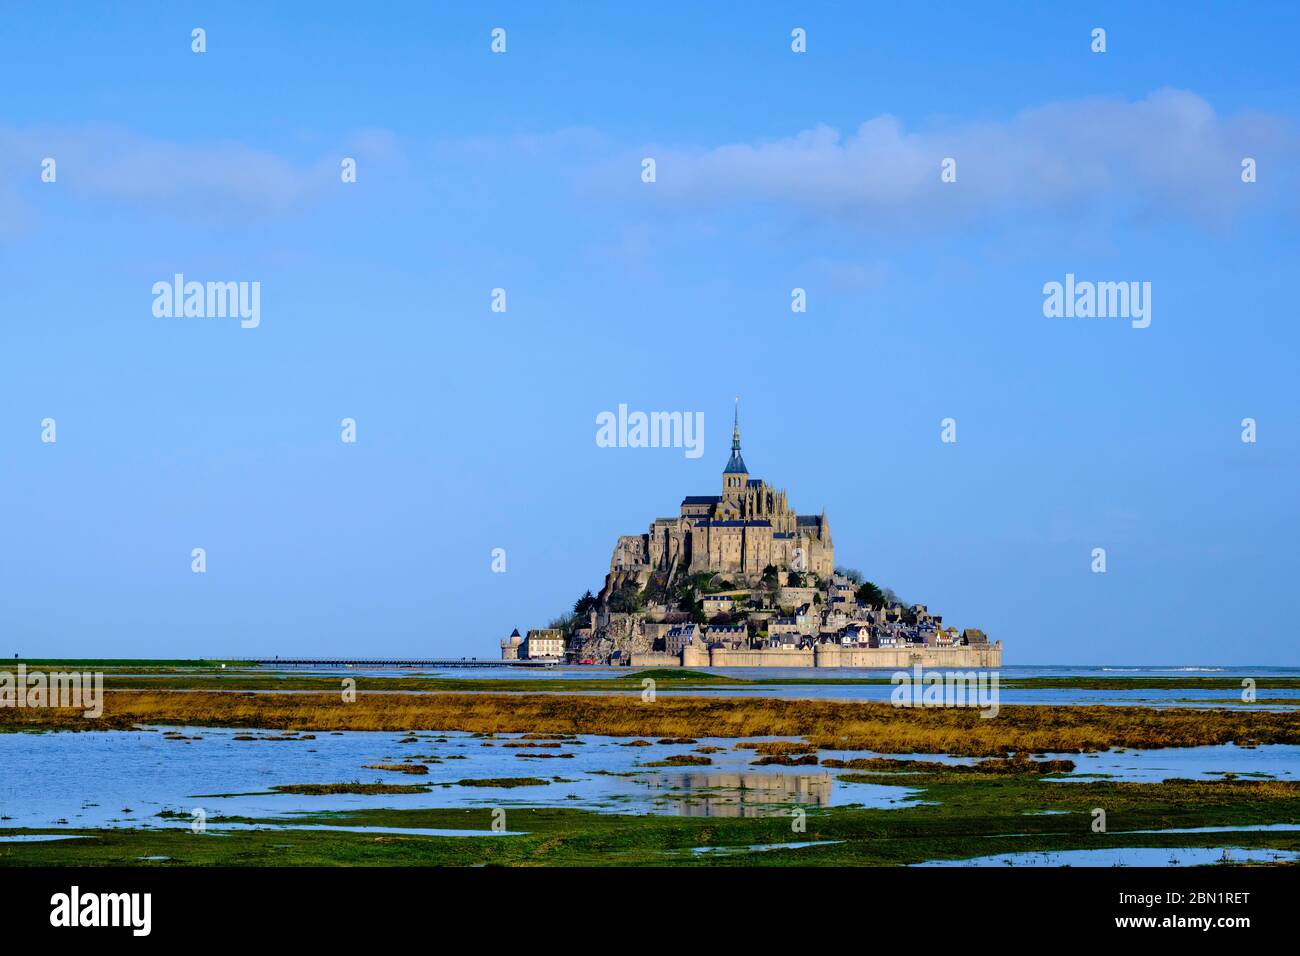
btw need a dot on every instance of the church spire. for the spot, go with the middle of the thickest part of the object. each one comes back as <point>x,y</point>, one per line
<point>736,464</point>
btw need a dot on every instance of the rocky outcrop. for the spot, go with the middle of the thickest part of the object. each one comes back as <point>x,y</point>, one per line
<point>623,633</point>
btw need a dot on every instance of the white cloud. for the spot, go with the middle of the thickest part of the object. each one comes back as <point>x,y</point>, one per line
<point>221,181</point>
<point>1166,156</point>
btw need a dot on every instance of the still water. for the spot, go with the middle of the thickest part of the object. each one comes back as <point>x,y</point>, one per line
<point>124,778</point>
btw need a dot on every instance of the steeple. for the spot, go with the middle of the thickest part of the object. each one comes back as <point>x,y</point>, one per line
<point>736,464</point>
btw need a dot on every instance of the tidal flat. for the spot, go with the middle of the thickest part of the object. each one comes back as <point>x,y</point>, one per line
<point>294,798</point>
<point>958,818</point>
<point>867,725</point>
<point>735,776</point>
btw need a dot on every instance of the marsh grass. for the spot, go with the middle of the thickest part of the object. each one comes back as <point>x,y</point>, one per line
<point>412,768</point>
<point>533,756</point>
<point>957,816</point>
<point>1019,764</point>
<point>322,789</point>
<point>776,748</point>
<point>827,725</point>
<point>504,782</point>
<point>680,760</point>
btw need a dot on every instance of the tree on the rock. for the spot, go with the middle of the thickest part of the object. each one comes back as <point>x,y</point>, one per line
<point>853,574</point>
<point>626,600</point>
<point>584,605</point>
<point>868,593</point>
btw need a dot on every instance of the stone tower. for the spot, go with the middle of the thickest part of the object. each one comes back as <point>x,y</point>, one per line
<point>735,476</point>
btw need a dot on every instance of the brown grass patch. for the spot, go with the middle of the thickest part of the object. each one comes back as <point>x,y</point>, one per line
<point>786,760</point>
<point>1019,764</point>
<point>504,782</point>
<point>528,743</point>
<point>777,748</point>
<point>321,789</point>
<point>415,768</point>
<point>838,725</point>
<point>680,760</point>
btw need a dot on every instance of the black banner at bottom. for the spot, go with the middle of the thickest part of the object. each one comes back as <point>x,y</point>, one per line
<point>330,905</point>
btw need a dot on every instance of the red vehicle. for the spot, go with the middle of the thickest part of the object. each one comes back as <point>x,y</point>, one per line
<point>587,661</point>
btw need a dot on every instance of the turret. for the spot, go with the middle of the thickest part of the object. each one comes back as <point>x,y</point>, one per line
<point>510,646</point>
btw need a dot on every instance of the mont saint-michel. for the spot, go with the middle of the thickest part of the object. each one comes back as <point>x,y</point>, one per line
<point>741,579</point>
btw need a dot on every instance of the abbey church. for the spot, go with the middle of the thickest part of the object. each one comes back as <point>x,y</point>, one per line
<point>739,579</point>
<point>739,532</point>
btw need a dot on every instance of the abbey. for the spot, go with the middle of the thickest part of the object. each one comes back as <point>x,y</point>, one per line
<point>740,532</point>
<point>740,579</point>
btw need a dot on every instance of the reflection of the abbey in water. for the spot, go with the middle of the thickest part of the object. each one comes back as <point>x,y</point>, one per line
<point>698,794</point>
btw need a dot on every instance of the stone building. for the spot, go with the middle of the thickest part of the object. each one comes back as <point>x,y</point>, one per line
<point>767,595</point>
<point>729,635</point>
<point>510,646</point>
<point>544,642</point>
<point>739,532</point>
<point>717,604</point>
<point>678,637</point>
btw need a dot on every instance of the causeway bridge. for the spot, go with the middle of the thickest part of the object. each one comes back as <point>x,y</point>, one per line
<point>397,662</point>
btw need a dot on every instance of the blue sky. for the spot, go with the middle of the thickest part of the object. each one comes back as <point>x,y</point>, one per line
<point>776,170</point>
